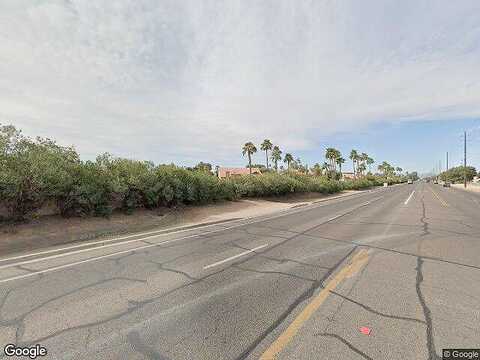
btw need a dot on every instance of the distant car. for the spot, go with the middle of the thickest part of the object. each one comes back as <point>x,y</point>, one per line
<point>410,181</point>
<point>435,181</point>
<point>446,184</point>
<point>427,180</point>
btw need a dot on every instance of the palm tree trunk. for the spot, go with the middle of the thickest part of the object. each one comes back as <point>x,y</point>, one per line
<point>250,162</point>
<point>353,161</point>
<point>266,157</point>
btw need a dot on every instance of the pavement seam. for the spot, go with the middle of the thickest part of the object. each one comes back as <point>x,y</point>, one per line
<point>426,311</point>
<point>307,294</point>
<point>348,344</point>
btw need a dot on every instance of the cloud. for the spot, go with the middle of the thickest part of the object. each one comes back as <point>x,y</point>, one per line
<point>193,80</point>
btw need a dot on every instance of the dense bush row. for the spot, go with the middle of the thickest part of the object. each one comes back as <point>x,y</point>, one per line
<point>457,174</point>
<point>34,172</point>
<point>273,184</point>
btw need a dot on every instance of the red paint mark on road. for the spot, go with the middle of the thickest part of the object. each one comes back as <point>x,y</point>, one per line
<point>365,330</point>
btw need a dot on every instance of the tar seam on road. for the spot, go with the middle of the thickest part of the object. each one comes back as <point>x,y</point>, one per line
<point>358,261</point>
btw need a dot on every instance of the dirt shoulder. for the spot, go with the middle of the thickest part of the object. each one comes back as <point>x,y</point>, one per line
<point>470,187</point>
<point>54,230</point>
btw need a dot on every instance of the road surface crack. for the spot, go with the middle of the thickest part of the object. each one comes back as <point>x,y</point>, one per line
<point>426,311</point>
<point>273,273</point>
<point>161,266</point>
<point>139,346</point>
<point>307,294</point>
<point>348,344</point>
<point>373,311</point>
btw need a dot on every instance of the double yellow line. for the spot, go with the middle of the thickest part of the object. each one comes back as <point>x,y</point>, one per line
<point>357,262</point>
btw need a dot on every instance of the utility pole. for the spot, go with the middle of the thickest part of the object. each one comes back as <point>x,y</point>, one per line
<point>446,169</point>
<point>465,159</point>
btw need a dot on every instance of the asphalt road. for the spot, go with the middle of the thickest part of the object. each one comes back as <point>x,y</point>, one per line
<point>402,261</point>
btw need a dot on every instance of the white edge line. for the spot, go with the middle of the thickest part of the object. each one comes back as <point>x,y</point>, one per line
<point>406,201</point>
<point>133,249</point>
<point>234,257</point>
<point>163,232</point>
<point>85,261</point>
<point>335,217</point>
<point>170,231</point>
<point>156,234</point>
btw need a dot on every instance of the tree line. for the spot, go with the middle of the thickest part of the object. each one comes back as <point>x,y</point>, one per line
<point>332,167</point>
<point>39,172</point>
<point>457,174</point>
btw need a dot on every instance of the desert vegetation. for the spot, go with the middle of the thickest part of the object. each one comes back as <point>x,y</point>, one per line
<point>35,172</point>
<point>458,174</point>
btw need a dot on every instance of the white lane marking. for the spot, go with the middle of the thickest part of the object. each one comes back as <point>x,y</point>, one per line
<point>141,247</point>
<point>158,234</point>
<point>234,257</point>
<point>86,260</point>
<point>348,212</point>
<point>85,250</point>
<point>335,217</point>
<point>406,201</point>
<point>163,232</point>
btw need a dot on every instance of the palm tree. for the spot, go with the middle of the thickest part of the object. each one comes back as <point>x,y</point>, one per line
<point>398,169</point>
<point>363,160</point>
<point>325,167</point>
<point>288,159</point>
<point>385,168</point>
<point>354,157</point>
<point>381,168</point>
<point>276,156</point>
<point>265,146</point>
<point>370,162</point>
<point>331,155</point>
<point>249,149</point>
<point>340,160</point>
<point>361,168</point>
<point>317,169</point>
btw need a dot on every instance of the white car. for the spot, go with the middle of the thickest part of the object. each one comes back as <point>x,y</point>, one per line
<point>410,181</point>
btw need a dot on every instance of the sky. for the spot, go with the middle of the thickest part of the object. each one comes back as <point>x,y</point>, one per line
<point>192,80</point>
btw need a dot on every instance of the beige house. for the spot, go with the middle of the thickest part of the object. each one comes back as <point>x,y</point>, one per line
<point>228,172</point>
<point>348,175</point>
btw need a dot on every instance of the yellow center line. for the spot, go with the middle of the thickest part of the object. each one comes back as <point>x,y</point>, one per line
<point>444,203</point>
<point>357,262</point>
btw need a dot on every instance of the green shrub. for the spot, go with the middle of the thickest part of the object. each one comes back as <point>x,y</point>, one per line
<point>359,184</point>
<point>33,172</point>
<point>457,174</point>
<point>90,193</point>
